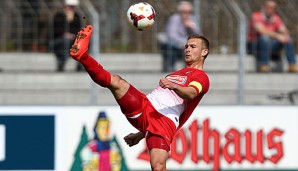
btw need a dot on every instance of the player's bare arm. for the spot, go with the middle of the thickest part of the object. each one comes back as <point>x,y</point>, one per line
<point>134,138</point>
<point>188,93</point>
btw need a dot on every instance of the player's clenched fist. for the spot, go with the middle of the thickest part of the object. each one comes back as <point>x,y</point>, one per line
<point>133,138</point>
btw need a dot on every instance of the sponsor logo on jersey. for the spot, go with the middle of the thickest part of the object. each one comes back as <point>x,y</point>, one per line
<point>177,79</point>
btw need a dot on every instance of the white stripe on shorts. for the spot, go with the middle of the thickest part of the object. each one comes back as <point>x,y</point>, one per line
<point>135,116</point>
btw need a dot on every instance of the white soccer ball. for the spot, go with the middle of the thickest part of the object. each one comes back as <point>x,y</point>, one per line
<point>141,16</point>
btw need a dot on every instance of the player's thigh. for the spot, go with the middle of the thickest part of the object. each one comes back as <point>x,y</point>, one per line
<point>158,158</point>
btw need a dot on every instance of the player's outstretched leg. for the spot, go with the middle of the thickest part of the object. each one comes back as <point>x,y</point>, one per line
<point>79,52</point>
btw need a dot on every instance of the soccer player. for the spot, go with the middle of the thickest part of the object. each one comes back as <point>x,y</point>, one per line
<point>160,114</point>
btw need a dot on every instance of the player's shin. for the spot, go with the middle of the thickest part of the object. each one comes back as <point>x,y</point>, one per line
<point>98,74</point>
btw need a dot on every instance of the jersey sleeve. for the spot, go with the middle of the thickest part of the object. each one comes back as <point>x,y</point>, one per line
<point>197,85</point>
<point>200,82</point>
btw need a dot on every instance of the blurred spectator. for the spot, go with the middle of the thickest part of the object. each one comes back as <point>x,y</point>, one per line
<point>267,36</point>
<point>179,26</point>
<point>66,26</point>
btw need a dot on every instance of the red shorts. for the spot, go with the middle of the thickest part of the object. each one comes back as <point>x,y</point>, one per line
<point>142,115</point>
<point>156,141</point>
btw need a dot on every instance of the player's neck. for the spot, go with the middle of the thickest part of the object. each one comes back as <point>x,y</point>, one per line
<point>198,65</point>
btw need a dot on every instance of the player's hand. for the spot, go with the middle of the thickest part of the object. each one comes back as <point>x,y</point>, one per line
<point>165,83</point>
<point>133,138</point>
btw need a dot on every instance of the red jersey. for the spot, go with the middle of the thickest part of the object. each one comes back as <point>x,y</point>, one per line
<point>168,103</point>
<point>274,23</point>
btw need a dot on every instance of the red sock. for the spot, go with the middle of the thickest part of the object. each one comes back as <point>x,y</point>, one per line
<point>98,74</point>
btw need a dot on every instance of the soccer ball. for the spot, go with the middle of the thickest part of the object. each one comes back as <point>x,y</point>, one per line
<point>141,16</point>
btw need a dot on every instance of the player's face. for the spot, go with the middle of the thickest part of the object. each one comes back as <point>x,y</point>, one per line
<point>193,50</point>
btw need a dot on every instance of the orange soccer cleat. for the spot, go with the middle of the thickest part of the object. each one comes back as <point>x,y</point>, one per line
<point>81,42</point>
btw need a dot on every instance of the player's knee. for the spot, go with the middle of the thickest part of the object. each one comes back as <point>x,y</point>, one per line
<point>158,166</point>
<point>117,81</point>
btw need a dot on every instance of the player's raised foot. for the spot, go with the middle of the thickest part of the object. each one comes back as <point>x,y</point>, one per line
<point>81,42</point>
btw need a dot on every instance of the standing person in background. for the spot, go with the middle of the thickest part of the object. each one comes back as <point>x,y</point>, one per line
<point>269,35</point>
<point>66,24</point>
<point>179,26</point>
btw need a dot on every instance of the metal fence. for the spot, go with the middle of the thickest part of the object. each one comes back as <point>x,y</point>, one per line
<point>26,24</point>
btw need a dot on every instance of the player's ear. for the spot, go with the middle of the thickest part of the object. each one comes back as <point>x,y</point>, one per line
<point>204,52</point>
